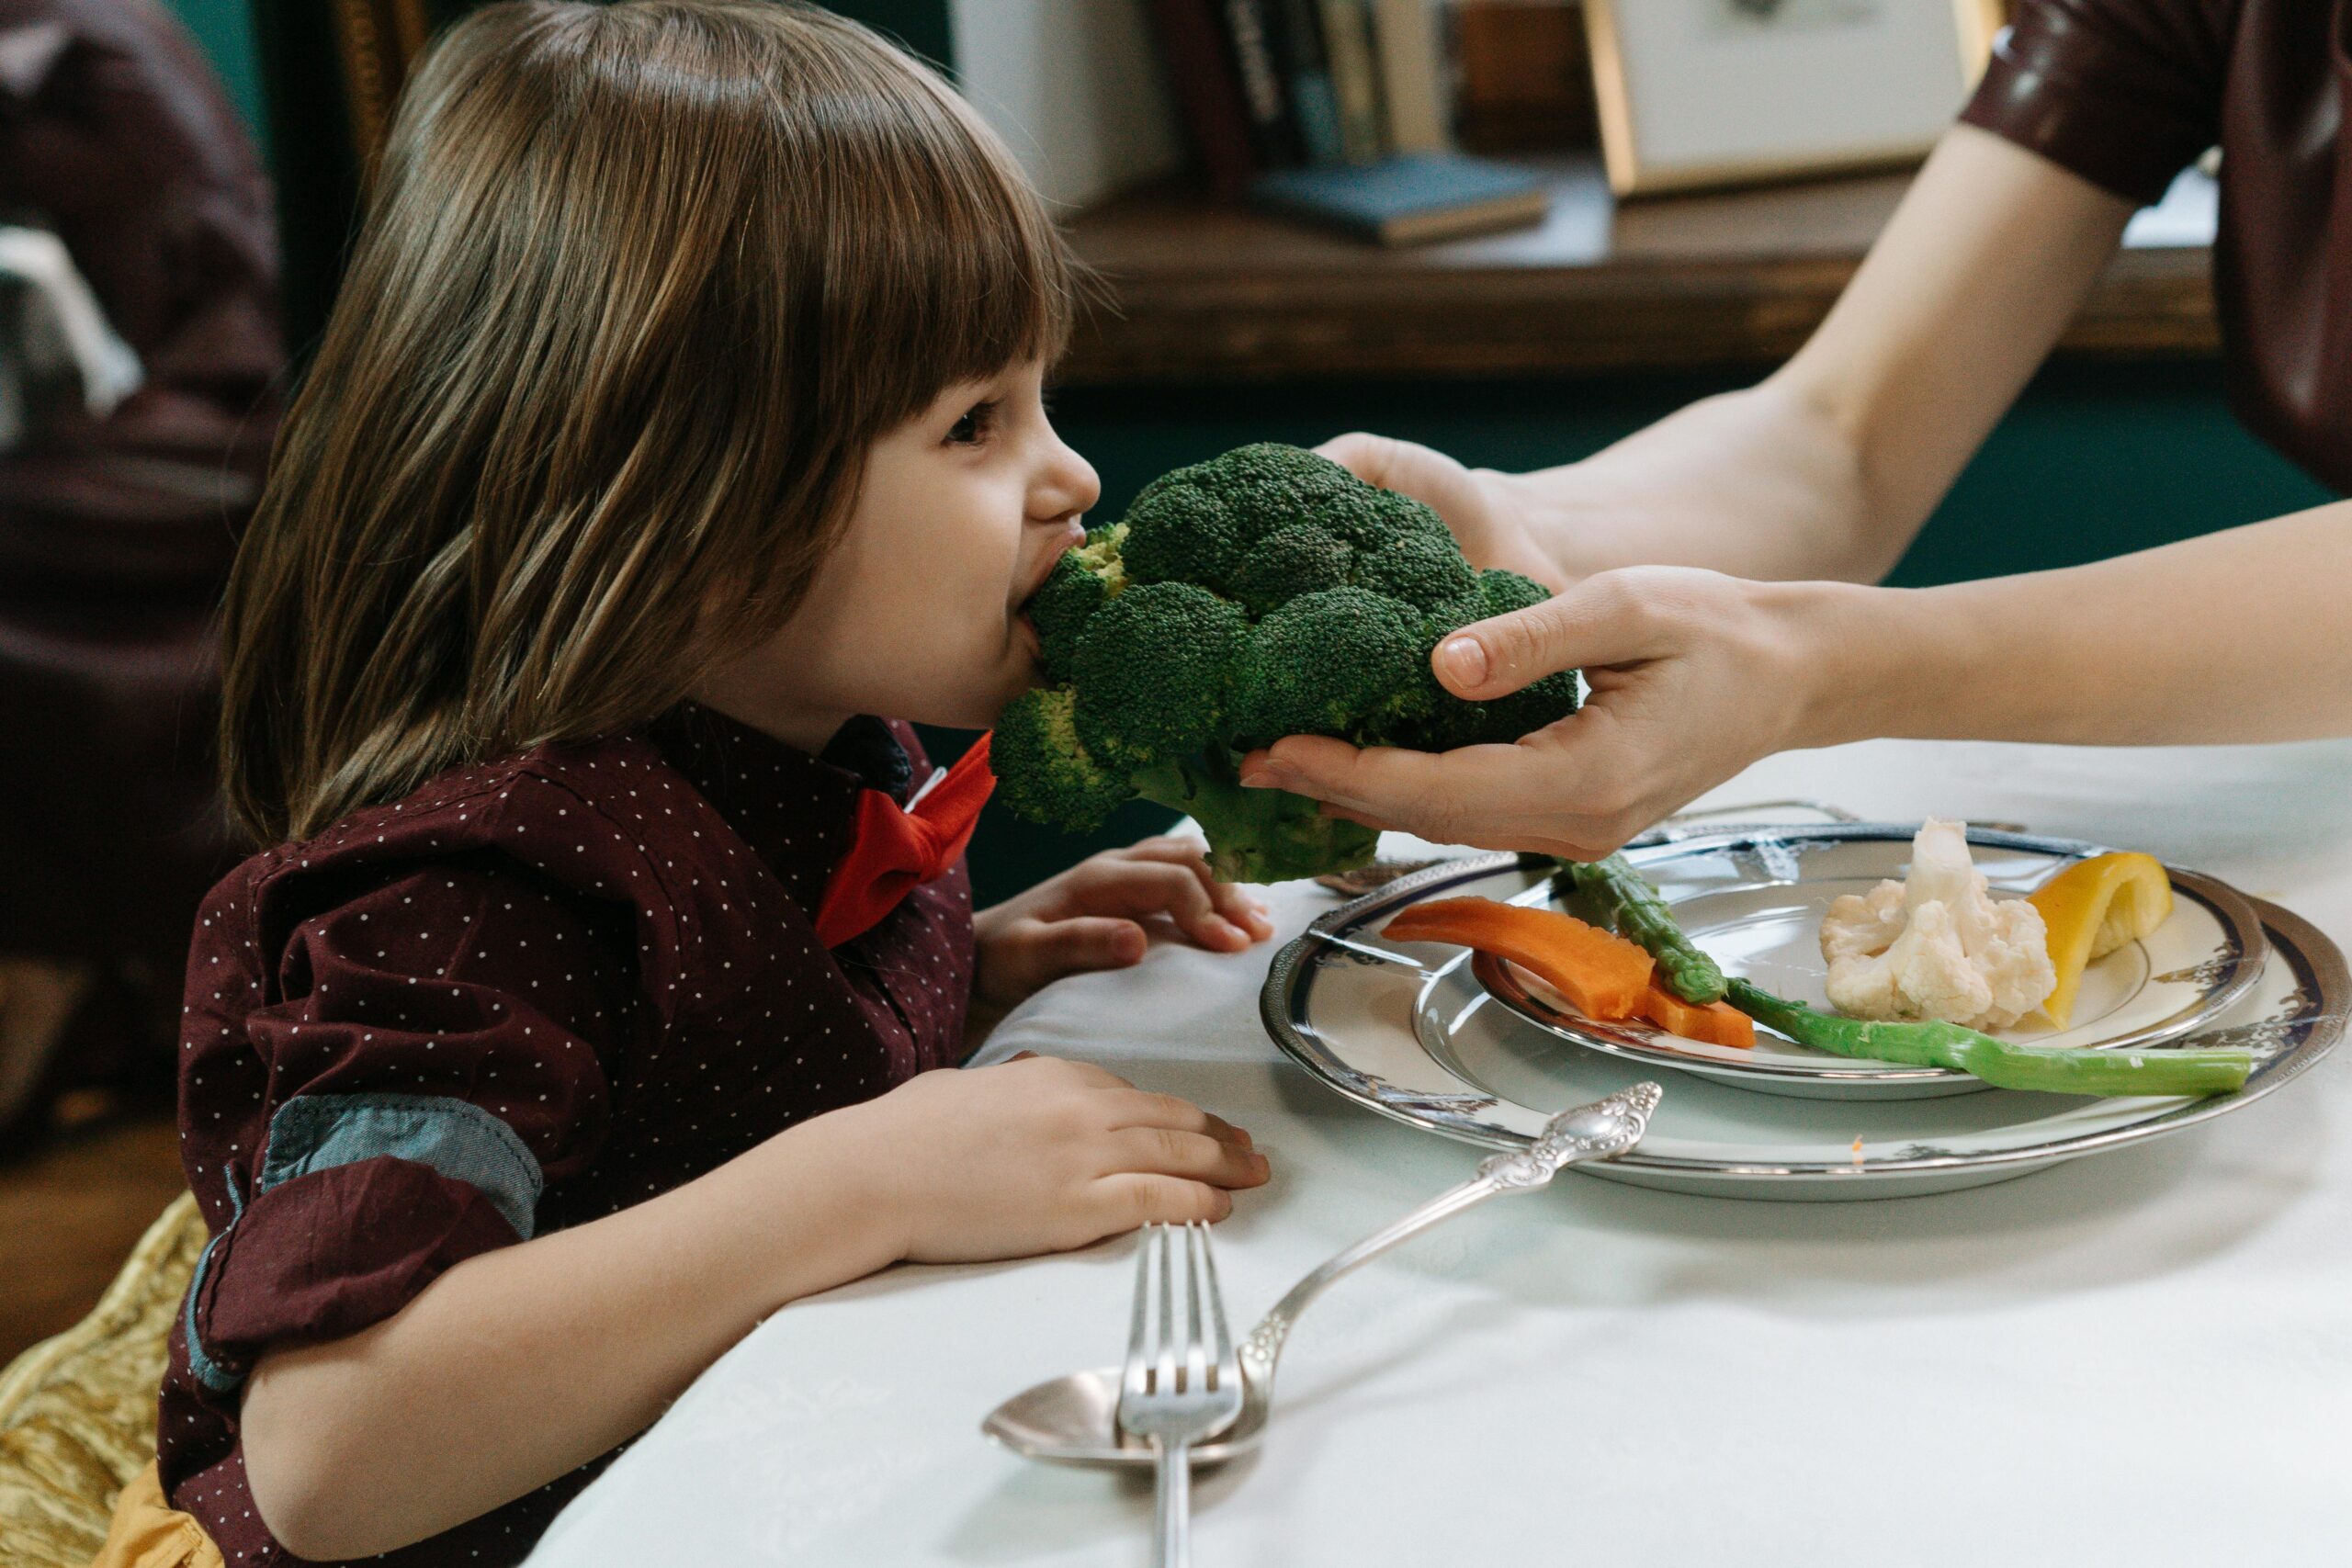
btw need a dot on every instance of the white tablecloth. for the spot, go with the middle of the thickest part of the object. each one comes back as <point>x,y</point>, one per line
<point>2143,1358</point>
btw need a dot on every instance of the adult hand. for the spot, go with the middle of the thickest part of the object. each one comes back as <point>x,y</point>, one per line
<point>1489,518</point>
<point>1759,483</point>
<point>1693,674</point>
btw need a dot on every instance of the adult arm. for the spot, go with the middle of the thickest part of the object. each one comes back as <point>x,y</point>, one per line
<point>2233,637</point>
<point>1829,467</point>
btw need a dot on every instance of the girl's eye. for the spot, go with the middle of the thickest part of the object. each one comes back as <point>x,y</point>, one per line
<point>974,427</point>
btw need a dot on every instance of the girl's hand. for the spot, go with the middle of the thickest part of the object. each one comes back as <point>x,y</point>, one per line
<point>1695,675</point>
<point>1091,918</point>
<point>1040,1155</point>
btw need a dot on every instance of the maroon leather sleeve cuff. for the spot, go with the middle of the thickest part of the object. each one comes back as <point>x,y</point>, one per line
<point>2126,103</point>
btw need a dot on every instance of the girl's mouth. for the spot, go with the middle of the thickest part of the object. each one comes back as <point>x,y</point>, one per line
<point>1071,539</point>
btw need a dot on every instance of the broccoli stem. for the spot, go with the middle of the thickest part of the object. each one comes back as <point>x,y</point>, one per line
<point>1255,835</point>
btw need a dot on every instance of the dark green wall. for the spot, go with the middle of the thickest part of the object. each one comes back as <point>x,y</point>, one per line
<point>225,29</point>
<point>2095,460</point>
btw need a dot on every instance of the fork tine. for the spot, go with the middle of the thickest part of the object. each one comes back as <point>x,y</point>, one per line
<point>1137,1354</point>
<point>1167,1354</point>
<point>1229,1365</point>
<point>1196,1360</point>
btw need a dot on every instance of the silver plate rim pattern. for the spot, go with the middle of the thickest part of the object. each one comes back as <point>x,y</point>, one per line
<point>2319,965</point>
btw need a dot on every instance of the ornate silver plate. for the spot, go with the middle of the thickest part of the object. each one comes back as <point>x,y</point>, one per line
<point>1754,899</point>
<point>1429,1047</point>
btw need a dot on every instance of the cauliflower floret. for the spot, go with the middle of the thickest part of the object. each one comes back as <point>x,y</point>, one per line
<point>1937,944</point>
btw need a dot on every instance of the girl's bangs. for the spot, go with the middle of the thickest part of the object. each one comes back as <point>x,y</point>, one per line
<point>962,274</point>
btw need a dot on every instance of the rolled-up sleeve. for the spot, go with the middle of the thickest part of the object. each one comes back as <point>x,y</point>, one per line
<point>2124,93</point>
<point>436,1062</point>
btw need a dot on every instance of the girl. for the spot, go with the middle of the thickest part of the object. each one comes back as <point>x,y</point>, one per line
<point>681,406</point>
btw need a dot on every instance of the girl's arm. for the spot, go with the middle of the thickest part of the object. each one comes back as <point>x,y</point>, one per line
<point>521,1364</point>
<point>1827,468</point>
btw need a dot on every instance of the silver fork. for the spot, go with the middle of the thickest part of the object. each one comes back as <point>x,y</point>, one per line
<point>1179,1387</point>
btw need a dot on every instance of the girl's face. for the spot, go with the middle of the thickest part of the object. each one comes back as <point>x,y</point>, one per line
<point>962,511</point>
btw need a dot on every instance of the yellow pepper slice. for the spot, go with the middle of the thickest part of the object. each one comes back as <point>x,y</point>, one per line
<point>2093,907</point>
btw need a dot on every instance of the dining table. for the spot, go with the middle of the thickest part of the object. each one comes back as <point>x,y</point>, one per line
<point>2140,1356</point>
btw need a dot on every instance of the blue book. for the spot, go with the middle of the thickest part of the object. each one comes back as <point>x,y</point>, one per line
<point>1408,198</point>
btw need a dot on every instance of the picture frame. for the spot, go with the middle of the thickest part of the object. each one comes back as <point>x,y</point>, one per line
<point>1698,93</point>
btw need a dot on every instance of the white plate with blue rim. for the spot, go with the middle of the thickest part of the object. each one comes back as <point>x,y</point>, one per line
<point>1405,1030</point>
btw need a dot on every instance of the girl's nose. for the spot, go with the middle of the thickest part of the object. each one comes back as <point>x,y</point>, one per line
<point>1067,486</point>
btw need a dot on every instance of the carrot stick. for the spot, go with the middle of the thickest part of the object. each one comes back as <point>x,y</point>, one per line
<point>1718,1023</point>
<point>1605,976</point>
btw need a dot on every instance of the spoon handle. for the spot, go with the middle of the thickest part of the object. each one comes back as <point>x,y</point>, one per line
<point>1603,1130</point>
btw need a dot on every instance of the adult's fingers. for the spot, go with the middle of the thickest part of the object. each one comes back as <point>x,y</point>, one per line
<point>1382,782</point>
<point>1525,796</point>
<point>1370,457</point>
<point>1406,467</point>
<point>1604,620</point>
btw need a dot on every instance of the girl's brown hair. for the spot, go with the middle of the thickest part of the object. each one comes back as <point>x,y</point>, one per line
<point>638,286</point>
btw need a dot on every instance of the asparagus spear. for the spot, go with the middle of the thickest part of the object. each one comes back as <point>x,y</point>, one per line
<point>1998,1063</point>
<point>1628,905</point>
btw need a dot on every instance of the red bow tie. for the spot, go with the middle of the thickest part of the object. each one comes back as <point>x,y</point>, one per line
<point>897,848</point>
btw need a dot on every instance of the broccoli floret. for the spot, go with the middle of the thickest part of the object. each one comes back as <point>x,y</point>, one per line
<point>1506,592</point>
<point>1081,583</point>
<point>1262,593</point>
<point>1531,707</point>
<point>1322,665</point>
<point>1045,774</point>
<point>1371,518</point>
<point>1152,670</point>
<point>1255,835</point>
<point>1202,524</point>
<point>1301,559</point>
<point>1183,535</point>
<point>1270,483</point>
<point>1424,572</point>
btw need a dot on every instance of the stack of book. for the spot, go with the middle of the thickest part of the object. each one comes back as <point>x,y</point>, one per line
<point>1335,111</point>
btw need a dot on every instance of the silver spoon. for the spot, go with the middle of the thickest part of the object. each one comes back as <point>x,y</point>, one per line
<point>1074,1419</point>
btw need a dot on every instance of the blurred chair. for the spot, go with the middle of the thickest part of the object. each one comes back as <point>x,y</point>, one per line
<point>116,532</point>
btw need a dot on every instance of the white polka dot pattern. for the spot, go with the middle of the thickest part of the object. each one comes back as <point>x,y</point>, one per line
<point>607,946</point>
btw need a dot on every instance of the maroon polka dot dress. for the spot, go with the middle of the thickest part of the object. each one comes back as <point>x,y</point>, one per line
<point>529,994</point>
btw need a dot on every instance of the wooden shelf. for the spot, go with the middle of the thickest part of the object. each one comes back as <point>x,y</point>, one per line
<point>1211,293</point>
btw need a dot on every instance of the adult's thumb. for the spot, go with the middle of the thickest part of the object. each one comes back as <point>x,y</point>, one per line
<point>1362,453</point>
<point>1597,622</point>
